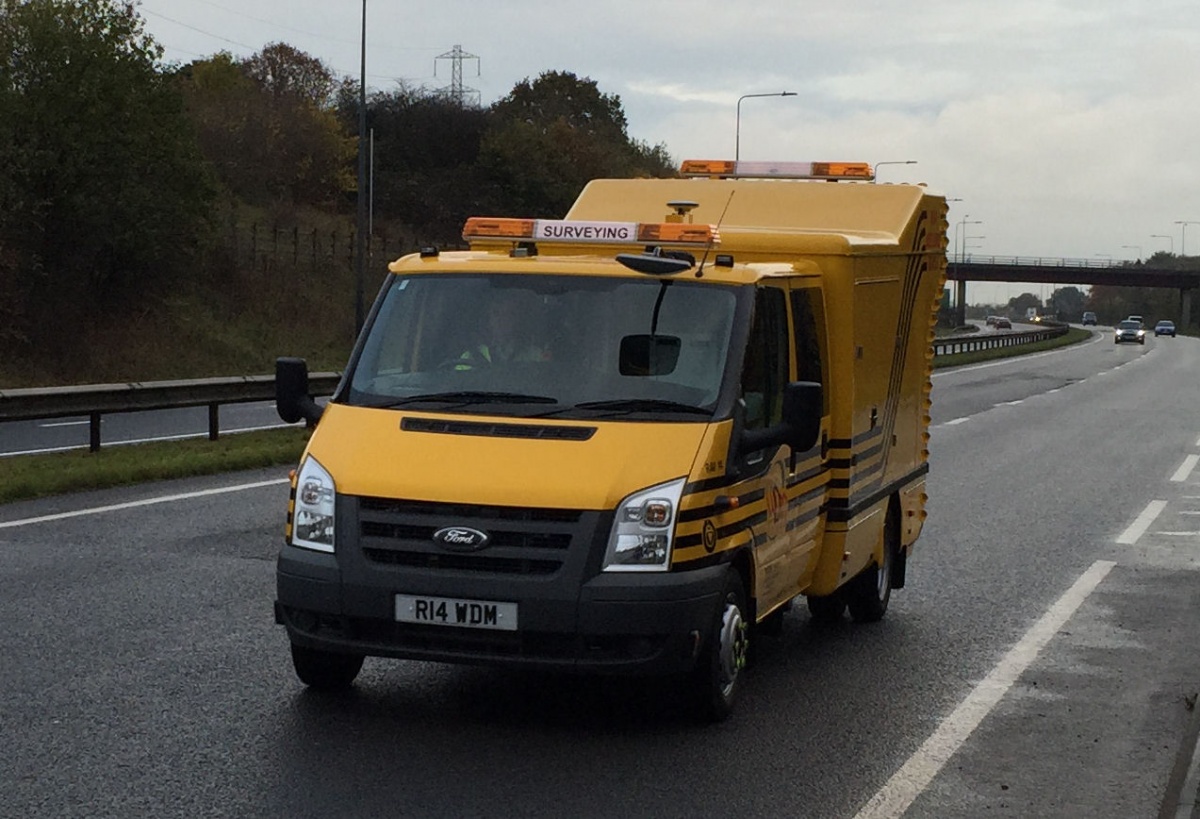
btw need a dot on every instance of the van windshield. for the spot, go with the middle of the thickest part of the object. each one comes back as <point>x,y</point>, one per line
<point>562,346</point>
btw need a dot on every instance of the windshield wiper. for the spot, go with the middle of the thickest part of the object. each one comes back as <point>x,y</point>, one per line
<point>470,397</point>
<point>643,405</point>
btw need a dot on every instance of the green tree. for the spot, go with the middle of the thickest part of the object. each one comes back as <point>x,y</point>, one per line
<point>1067,303</point>
<point>102,188</point>
<point>550,136</point>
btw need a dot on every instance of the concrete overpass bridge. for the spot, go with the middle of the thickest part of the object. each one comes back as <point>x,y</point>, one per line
<point>1040,270</point>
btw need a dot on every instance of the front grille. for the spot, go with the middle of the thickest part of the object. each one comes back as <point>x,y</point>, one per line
<point>522,540</point>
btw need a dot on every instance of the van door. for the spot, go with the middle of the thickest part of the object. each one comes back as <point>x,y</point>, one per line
<point>809,475</point>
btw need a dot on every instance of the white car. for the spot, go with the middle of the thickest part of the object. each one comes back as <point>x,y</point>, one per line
<point>1130,330</point>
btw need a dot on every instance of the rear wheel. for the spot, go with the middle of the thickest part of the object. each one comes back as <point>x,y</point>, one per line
<point>868,594</point>
<point>718,674</point>
<point>325,670</point>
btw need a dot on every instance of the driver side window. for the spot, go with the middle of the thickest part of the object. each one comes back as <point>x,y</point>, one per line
<point>765,368</point>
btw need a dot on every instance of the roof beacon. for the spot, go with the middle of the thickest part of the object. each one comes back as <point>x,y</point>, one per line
<point>480,228</point>
<point>729,169</point>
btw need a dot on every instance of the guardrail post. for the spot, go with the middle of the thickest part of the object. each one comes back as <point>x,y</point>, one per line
<point>94,431</point>
<point>214,412</point>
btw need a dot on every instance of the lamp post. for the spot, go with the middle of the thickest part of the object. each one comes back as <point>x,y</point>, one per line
<point>360,249</point>
<point>963,224</point>
<point>1183,236</point>
<point>897,162</point>
<point>1138,248</point>
<point>737,133</point>
<point>1170,239</point>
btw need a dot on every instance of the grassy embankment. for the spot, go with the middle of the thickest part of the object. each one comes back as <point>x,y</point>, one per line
<point>32,476</point>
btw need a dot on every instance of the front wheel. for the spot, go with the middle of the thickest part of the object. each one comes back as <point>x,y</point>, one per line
<point>325,670</point>
<point>868,594</point>
<point>718,672</point>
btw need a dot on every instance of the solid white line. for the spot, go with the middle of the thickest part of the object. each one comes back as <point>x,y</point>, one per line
<point>183,437</point>
<point>895,797</point>
<point>1138,527</point>
<point>1185,468</point>
<point>64,424</point>
<point>957,421</point>
<point>1009,403</point>
<point>96,510</point>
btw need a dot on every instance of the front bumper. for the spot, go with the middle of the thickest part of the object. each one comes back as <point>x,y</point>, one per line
<point>611,623</point>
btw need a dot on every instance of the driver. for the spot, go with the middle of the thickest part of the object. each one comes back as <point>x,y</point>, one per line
<point>505,337</point>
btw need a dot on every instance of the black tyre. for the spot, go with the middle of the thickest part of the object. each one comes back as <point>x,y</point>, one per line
<point>325,670</point>
<point>868,594</point>
<point>827,609</point>
<point>718,674</point>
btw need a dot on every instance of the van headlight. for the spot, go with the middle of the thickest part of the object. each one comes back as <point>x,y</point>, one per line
<point>644,530</point>
<point>312,518</point>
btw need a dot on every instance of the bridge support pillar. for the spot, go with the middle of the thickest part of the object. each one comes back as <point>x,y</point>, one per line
<point>1185,308</point>
<point>960,303</point>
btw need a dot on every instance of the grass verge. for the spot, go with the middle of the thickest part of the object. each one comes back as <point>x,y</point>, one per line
<point>24,477</point>
<point>1073,336</point>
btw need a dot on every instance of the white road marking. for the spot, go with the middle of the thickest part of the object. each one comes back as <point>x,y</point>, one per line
<point>48,450</point>
<point>956,421</point>
<point>914,776</point>
<point>1185,468</point>
<point>96,510</point>
<point>1142,523</point>
<point>65,424</point>
<point>1010,403</point>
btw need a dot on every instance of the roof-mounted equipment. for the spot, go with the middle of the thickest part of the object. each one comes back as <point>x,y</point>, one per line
<point>563,231</point>
<point>730,169</point>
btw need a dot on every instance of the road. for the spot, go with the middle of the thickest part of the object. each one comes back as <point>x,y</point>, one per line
<point>1037,664</point>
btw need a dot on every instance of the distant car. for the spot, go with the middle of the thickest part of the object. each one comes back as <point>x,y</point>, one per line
<point>1129,330</point>
<point>1089,318</point>
<point>1001,323</point>
<point>1138,319</point>
<point>991,320</point>
<point>1165,328</point>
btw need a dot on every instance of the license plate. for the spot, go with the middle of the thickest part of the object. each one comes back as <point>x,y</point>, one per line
<point>452,611</point>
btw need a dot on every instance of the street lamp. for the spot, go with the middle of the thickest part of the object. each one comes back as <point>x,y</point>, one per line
<point>360,249</point>
<point>737,134</point>
<point>1183,236</point>
<point>963,224</point>
<point>1138,248</point>
<point>878,165</point>
<point>1170,239</point>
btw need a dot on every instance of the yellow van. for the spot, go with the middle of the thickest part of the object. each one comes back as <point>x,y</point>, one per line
<point>625,441</point>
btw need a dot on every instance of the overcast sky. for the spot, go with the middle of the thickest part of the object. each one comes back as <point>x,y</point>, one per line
<point>1068,128</point>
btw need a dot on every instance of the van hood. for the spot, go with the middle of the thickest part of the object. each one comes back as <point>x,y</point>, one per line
<point>500,461</point>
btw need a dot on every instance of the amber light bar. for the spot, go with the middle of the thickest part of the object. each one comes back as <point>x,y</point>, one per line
<point>589,232</point>
<point>776,170</point>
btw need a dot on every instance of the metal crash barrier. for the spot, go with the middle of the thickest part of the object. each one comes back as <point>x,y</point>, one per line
<point>97,400</point>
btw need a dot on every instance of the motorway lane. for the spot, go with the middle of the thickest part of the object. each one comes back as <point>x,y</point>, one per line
<point>147,678</point>
<point>56,434</point>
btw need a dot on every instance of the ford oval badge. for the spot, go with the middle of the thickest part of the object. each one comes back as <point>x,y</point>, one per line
<point>461,538</point>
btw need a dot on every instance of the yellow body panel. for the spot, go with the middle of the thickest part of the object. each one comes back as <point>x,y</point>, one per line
<point>369,455</point>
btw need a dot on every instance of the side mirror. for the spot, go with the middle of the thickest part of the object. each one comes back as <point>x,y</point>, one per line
<point>800,428</point>
<point>803,403</point>
<point>292,401</point>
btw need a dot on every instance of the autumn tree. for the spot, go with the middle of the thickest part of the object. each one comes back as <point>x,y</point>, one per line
<point>101,184</point>
<point>269,127</point>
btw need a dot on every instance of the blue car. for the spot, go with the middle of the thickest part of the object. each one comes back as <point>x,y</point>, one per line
<point>1165,328</point>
